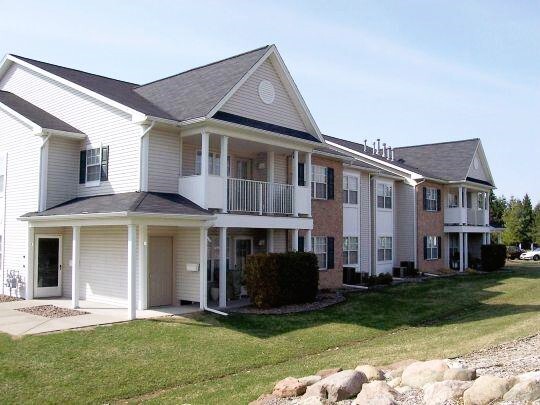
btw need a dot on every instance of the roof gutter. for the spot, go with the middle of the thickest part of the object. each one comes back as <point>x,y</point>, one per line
<point>119,214</point>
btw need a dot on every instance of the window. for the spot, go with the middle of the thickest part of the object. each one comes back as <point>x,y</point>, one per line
<point>481,201</point>
<point>350,190</point>
<point>319,182</point>
<point>350,250</point>
<point>213,163</point>
<point>431,199</point>
<point>453,200</point>
<point>94,166</point>
<point>384,196</point>
<point>432,247</point>
<point>384,249</point>
<point>320,245</point>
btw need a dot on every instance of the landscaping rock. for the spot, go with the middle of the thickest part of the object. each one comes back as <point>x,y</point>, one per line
<point>313,401</point>
<point>338,386</point>
<point>444,392</point>
<point>524,391</point>
<point>310,379</point>
<point>486,389</point>
<point>423,372</point>
<point>376,393</point>
<point>396,369</point>
<point>371,372</point>
<point>266,399</point>
<point>402,389</point>
<point>328,371</point>
<point>461,374</point>
<point>531,375</point>
<point>394,382</point>
<point>289,387</point>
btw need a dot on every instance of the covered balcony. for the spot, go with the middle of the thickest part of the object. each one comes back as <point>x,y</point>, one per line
<point>244,177</point>
<point>465,206</point>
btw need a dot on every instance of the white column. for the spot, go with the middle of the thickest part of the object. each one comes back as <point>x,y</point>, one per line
<point>181,154</point>
<point>307,178</point>
<point>75,260</point>
<point>307,241</point>
<point>30,264</point>
<point>222,267</point>
<point>294,240</point>
<point>132,238</point>
<point>461,255</point>
<point>271,165</point>
<point>466,249</point>
<point>224,152</point>
<point>203,257</point>
<point>488,238</point>
<point>270,240</point>
<point>143,267</point>
<point>205,147</point>
<point>464,211</point>
<point>460,204</point>
<point>295,181</point>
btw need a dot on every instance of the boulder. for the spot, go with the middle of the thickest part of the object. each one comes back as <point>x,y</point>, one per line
<point>265,399</point>
<point>310,379</point>
<point>371,372</point>
<point>423,372</point>
<point>486,389</point>
<point>449,391</point>
<point>376,393</point>
<point>396,369</point>
<point>531,375</point>
<point>289,387</point>
<point>402,389</point>
<point>313,401</point>
<point>524,391</point>
<point>338,386</point>
<point>328,371</point>
<point>394,382</point>
<point>461,374</point>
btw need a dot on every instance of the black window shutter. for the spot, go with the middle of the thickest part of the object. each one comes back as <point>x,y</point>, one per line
<point>300,243</point>
<point>330,184</point>
<point>425,247</point>
<point>439,245</point>
<point>104,163</point>
<point>330,252</point>
<point>82,167</point>
<point>301,174</point>
<point>438,199</point>
<point>425,197</point>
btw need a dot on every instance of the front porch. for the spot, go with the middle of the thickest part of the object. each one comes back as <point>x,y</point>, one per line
<point>464,249</point>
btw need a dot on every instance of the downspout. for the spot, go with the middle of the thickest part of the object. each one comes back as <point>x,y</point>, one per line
<point>143,158</point>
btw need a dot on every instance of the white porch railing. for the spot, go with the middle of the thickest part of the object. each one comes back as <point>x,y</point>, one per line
<point>259,197</point>
<point>476,216</point>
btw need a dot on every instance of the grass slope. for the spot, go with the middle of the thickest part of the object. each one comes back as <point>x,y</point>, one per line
<point>211,359</point>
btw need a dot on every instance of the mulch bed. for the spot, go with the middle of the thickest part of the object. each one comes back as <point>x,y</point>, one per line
<point>7,298</point>
<point>52,311</point>
<point>323,300</point>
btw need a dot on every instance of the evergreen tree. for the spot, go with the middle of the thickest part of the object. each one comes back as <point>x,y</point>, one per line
<point>526,223</point>
<point>536,233</point>
<point>511,218</point>
<point>497,208</point>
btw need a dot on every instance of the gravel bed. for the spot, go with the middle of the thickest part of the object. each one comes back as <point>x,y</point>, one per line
<point>322,301</point>
<point>52,311</point>
<point>7,298</point>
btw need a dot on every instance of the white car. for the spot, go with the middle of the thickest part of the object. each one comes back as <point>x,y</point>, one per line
<point>531,255</point>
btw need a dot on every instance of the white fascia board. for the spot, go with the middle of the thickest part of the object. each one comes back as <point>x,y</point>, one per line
<point>466,228</point>
<point>135,115</point>
<point>120,217</point>
<point>262,221</point>
<point>64,134</point>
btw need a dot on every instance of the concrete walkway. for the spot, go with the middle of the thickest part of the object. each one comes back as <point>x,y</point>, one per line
<point>19,323</point>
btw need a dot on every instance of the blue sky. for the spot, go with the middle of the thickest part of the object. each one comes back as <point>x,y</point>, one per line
<point>408,72</point>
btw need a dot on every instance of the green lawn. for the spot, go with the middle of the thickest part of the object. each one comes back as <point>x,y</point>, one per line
<point>210,359</point>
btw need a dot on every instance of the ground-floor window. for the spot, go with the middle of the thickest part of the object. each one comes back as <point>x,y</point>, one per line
<point>431,247</point>
<point>384,249</point>
<point>350,250</point>
<point>320,248</point>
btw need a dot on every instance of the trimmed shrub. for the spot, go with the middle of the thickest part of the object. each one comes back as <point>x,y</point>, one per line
<point>275,279</point>
<point>381,279</point>
<point>493,257</point>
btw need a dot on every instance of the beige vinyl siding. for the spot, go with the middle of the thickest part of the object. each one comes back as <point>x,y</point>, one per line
<point>365,226</point>
<point>247,103</point>
<point>280,240</point>
<point>404,222</point>
<point>103,125</point>
<point>187,251</point>
<point>62,170</point>
<point>22,190</point>
<point>280,169</point>
<point>163,162</point>
<point>480,173</point>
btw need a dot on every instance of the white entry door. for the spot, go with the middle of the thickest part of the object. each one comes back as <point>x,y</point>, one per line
<point>48,269</point>
<point>160,254</point>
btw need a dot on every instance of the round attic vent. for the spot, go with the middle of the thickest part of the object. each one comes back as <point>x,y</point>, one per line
<point>266,92</point>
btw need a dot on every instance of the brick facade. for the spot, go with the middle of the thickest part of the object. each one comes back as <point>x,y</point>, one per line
<point>328,221</point>
<point>430,223</point>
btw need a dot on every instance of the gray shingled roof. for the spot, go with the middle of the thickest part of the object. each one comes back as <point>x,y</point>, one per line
<point>133,202</point>
<point>35,114</point>
<point>446,161</point>
<point>193,94</point>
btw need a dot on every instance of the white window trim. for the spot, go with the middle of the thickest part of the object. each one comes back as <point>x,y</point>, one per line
<point>450,204</point>
<point>211,157</point>
<point>314,247</point>
<point>314,183</point>
<point>391,248</point>
<point>349,190</point>
<point>385,185</point>
<point>93,183</point>
<point>431,192</point>
<point>433,248</point>
<point>349,251</point>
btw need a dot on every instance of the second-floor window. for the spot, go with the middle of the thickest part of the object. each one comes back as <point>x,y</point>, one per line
<point>213,163</point>
<point>350,190</point>
<point>384,196</point>
<point>431,199</point>
<point>319,182</point>
<point>94,166</point>
<point>384,249</point>
<point>453,200</point>
<point>350,250</point>
<point>481,201</point>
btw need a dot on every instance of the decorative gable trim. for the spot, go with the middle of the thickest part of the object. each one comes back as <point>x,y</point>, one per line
<point>483,161</point>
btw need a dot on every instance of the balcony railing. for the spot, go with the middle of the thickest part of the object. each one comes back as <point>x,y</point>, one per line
<point>476,217</point>
<point>259,197</point>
